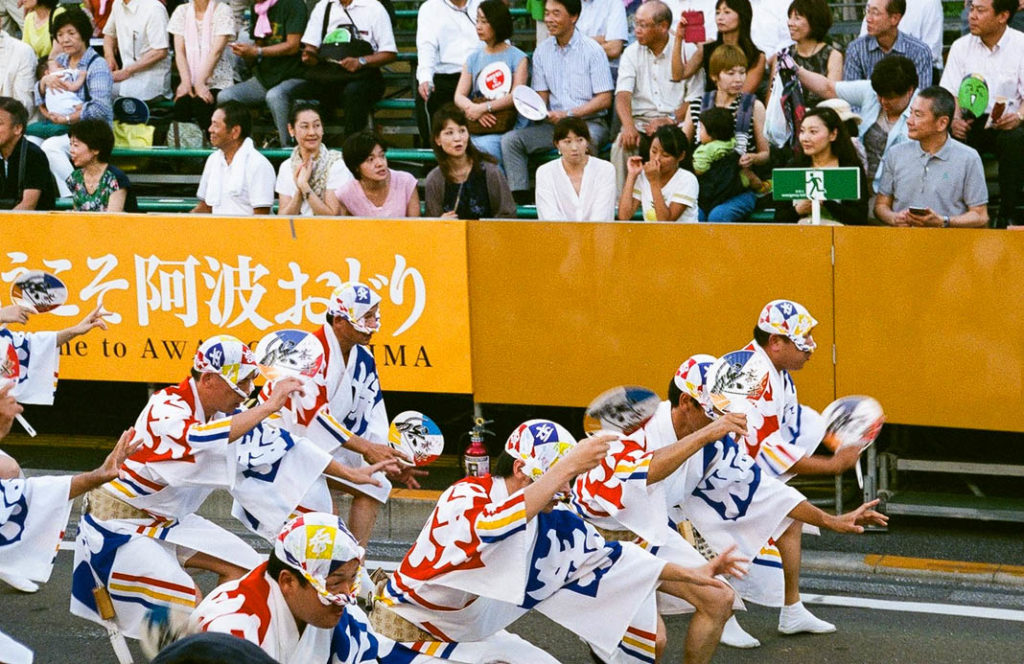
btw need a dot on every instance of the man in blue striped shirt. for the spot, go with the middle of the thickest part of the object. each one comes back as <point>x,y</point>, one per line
<point>884,37</point>
<point>572,76</point>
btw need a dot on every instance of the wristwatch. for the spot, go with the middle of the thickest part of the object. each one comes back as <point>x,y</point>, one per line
<point>945,221</point>
<point>259,54</point>
<point>362,61</point>
<point>489,109</point>
<point>569,114</point>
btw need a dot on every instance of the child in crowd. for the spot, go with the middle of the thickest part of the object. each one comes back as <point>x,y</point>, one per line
<point>64,102</point>
<point>718,140</point>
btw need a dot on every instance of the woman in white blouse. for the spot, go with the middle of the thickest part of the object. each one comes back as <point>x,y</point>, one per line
<point>576,187</point>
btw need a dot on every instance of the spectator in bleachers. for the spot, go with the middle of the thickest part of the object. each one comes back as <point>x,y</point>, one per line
<point>769,28</point>
<point>809,23</point>
<point>99,12</point>
<point>646,97</point>
<point>733,19</point>
<point>661,187</point>
<point>922,20</point>
<point>363,86</point>
<point>377,191</point>
<point>996,52</point>
<point>73,30</point>
<point>825,143</point>
<point>1016,21</point>
<point>604,21</point>
<point>852,121</point>
<point>466,183</point>
<point>95,185</point>
<point>27,182</point>
<point>237,180</point>
<point>728,67</point>
<point>136,31</point>
<point>274,60</point>
<point>446,35</point>
<point>576,186</point>
<point>201,31</point>
<point>35,32</point>
<point>12,17</point>
<point>572,76</point>
<point>494,28</point>
<point>935,181</point>
<point>884,104</point>
<point>884,38</point>
<point>304,179</point>
<point>17,71</point>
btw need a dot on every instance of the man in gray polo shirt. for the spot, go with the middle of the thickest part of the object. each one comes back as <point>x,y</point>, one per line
<point>936,181</point>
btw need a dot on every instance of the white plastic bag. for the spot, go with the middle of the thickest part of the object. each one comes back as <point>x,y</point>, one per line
<point>775,128</point>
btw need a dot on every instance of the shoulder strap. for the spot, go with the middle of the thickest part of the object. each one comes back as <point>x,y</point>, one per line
<point>327,20</point>
<point>745,113</point>
<point>708,100</point>
<point>22,158</point>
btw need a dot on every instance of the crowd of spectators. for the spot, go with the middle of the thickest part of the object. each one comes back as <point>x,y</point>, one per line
<point>694,114</point>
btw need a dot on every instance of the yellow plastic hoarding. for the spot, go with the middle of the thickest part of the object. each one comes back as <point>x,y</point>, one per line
<point>562,311</point>
<point>175,280</point>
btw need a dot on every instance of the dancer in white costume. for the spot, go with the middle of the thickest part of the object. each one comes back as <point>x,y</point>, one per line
<point>39,357</point>
<point>137,532</point>
<point>626,499</point>
<point>299,606</point>
<point>34,513</point>
<point>784,434</point>
<point>357,420</point>
<point>498,546</point>
<point>725,494</point>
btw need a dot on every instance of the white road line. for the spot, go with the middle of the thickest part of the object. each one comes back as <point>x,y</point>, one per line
<point>916,607</point>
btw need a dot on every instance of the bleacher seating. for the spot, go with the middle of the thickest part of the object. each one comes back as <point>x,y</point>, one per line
<point>393,117</point>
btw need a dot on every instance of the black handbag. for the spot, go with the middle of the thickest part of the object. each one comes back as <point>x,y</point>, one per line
<point>327,70</point>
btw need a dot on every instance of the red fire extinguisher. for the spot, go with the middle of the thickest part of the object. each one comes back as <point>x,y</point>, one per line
<point>476,462</point>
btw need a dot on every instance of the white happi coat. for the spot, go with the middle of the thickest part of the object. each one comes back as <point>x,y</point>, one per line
<point>783,430</point>
<point>40,363</point>
<point>479,564</point>
<point>182,460</point>
<point>615,496</point>
<point>355,406</point>
<point>254,609</point>
<point>33,516</point>
<point>730,500</point>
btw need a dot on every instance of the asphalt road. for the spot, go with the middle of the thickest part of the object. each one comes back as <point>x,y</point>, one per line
<point>42,621</point>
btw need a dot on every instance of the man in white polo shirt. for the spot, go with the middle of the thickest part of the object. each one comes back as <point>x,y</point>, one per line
<point>646,97</point>
<point>237,180</point>
<point>137,31</point>
<point>996,52</point>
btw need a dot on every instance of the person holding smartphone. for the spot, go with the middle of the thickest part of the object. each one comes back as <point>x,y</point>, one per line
<point>935,181</point>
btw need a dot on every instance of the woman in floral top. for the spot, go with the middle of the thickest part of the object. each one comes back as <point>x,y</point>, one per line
<point>95,185</point>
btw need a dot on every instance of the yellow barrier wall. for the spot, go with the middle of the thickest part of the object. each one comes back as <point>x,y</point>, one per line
<point>932,324</point>
<point>929,322</point>
<point>175,280</point>
<point>561,312</point>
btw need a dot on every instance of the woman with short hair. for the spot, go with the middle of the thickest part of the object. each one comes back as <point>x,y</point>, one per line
<point>95,185</point>
<point>377,191</point>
